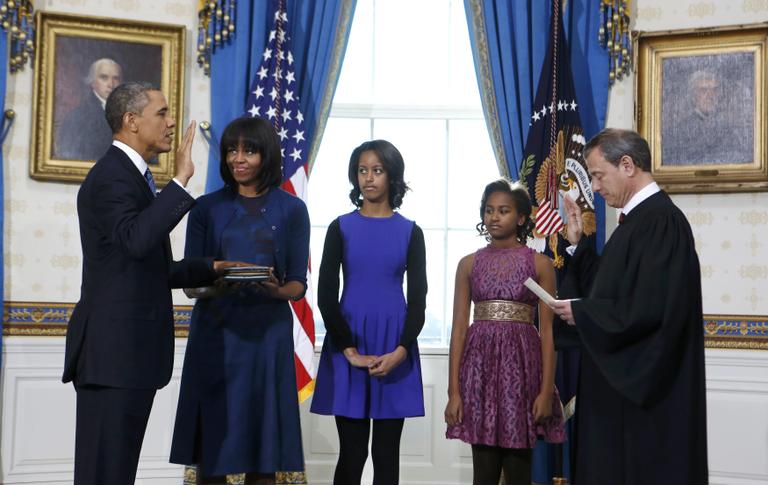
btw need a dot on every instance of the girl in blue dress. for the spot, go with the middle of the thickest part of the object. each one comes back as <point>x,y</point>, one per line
<point>238,406</point>
<point>369,367</point>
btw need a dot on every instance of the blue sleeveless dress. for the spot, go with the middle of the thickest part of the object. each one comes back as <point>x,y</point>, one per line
<point>374,306</point>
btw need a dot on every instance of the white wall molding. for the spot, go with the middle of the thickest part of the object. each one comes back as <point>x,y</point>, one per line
<point>38,419</point>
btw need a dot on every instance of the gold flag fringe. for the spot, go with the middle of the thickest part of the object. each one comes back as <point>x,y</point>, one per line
<point>18,21</point>
<point>615,36</point>
<point>216,26</point>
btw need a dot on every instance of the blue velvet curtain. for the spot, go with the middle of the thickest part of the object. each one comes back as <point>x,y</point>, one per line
<point>319,31</point>
<point>509,39</point>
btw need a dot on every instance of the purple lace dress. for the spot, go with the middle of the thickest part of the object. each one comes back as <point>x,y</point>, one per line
<point>500,374</point>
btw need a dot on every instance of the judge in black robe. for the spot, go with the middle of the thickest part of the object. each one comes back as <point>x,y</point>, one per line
<point>641,404</point>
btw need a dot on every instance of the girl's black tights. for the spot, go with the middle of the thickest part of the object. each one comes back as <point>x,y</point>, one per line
<point>353,443</point>
<point>488,461</point>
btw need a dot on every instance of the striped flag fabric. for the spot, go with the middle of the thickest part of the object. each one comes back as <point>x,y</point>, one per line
<point>548,220</point>
<point>274,97</point>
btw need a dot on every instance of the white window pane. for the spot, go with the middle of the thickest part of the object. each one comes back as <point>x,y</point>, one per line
<point>471,166</point>
<point>462,77</point>
<point>328,189</point>
<point>397,60</point>
<point>411,51</point>
<point>422,144</point>
<point>316,240</point>
<point>356,76</point>
<point>434,323</point>
<point>460,244</point>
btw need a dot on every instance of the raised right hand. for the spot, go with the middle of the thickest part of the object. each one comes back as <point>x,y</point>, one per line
<point>454,411</point>
<point>185,168</point>
<point>575,224</point>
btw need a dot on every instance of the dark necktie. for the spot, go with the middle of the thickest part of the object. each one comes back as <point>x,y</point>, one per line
<point>621,215</point>
<point>151,182</point>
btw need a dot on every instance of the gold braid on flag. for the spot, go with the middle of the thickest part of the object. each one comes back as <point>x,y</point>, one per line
<point>615,36</point>
<point>216,26</point>
<point>19,24</point>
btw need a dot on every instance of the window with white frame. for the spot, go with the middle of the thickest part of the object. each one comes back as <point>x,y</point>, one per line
<point>408,77</point>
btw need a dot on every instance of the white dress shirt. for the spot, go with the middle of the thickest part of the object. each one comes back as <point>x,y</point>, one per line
<point>137,160</point>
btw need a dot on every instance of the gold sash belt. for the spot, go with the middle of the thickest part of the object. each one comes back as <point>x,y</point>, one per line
<point>503,310</point>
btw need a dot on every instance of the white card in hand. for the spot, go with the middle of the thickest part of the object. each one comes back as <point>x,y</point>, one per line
<point>539,291</point>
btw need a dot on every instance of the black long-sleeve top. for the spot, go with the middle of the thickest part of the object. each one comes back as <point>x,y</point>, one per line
<point>328,288</point>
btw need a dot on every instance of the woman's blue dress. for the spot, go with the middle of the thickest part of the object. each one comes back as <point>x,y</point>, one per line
<point>238,405</point>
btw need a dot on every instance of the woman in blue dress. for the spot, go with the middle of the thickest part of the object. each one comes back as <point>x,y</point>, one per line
<point>369,367</point>
<point>238,406</point>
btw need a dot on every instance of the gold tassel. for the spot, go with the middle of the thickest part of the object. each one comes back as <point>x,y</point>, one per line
<point>615,36</point>
<point>216,26</point>
<point>18,21</point>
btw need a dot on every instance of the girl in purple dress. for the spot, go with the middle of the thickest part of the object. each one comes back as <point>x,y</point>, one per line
<point>369,368</point>
<point>501,391</point>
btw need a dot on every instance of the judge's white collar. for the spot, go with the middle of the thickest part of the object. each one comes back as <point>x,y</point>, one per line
<point>640,196</point>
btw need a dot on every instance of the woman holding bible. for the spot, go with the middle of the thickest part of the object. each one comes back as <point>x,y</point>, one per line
<point>238,406</point>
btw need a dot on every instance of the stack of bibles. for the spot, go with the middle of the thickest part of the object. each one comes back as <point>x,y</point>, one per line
<point>248,274</point>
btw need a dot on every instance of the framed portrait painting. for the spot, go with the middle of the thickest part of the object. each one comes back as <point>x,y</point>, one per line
<point>701,104</point>
<point>80,60</point>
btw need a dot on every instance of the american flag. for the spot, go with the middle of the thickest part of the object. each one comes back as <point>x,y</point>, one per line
<point>274,97</point>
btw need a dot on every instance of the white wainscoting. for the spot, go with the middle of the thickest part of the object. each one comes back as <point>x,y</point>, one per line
<point>38,418</point>
<point>38,415</point>
<point>737,412</point>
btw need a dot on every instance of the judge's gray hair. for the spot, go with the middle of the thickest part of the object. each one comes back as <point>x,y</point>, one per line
<point>105,61</point>
<point>130,97</point>
<point>615,143</point>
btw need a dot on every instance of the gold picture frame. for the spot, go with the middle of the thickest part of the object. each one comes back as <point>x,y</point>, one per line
<point>68,132</point>
<point>701,104</point>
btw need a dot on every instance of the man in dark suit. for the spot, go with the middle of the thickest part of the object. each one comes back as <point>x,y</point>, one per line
<point>119,347</point>
<point>84,133</point>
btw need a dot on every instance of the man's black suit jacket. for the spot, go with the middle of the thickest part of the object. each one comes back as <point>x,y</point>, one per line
<point>121,331</point>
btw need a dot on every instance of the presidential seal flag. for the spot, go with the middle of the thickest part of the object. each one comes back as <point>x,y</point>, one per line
<point>274,97</point>
<point>553,165</point>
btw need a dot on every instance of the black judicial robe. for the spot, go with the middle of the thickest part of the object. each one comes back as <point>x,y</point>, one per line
<point>641,405</point>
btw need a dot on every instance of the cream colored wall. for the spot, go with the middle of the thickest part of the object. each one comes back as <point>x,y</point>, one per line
<point>42,247</point>
<point>731,230</point>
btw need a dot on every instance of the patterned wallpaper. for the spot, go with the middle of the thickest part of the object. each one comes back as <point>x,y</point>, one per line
<point>731,230</point>
<point>42,250</point>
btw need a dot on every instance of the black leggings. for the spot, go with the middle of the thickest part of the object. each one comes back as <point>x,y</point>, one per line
<point>353,443</point>
<point>488,461</point>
